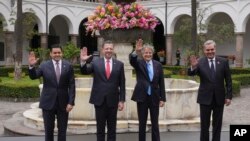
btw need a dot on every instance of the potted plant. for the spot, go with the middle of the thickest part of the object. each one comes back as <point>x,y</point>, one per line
<point>122,22</point>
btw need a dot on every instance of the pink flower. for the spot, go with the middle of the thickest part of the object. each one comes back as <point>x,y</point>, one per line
<point>120,16</point>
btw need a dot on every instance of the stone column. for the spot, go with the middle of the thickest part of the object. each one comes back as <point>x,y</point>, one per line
<point>74,39</point>
<point>44,40</point>
<point>8,41</point>
<point>169,48</point>
<point>122,51</point>
<point>44,46</point>
<point>239,50</point>
<point>100,41</point>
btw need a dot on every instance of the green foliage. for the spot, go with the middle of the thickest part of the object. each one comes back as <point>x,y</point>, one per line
<point>244,79</point>
<point>182,36</point>
<point>12,74</point>
<point>173,69</point>
<point>167,73</point>
<point>41,53</point>
<point>18,91</point>
<point>5,71</point>
<point>24,88</point>
<point>236,71</point>
<point>29,22</point>
<point>70,51</point>
<point>220,33</point>
<point>236,88</point>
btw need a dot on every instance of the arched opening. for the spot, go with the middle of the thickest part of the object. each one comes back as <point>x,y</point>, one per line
<point>159,43</point>
<point>2,50</point>
<point>58,31</point>
<point>181,39</point>
<point>221,30</point>
<point>246,43</point>
<point>86,39</point>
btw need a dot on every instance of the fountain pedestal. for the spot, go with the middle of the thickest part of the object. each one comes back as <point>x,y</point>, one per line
<point>123,45</point>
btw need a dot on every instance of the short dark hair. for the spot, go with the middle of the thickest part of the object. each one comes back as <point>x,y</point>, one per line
<point>107,42</point>
<point>55,46</point>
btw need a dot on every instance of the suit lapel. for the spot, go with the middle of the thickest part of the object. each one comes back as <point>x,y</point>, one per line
<point>207,68</point>
<point>144,64</point>
<point>114,63</point>
<point>154,69</point>
<point>52,67</point>
<point>103,70</point>
<point>63,69</point>
<point>217,65</point>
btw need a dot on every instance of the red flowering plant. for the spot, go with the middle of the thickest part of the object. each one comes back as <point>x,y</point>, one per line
<point>121,16</point>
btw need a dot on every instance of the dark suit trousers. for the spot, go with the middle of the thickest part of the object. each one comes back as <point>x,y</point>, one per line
<point>142,109</point>
<point>49,123</point>
<point>105,114</point>
<point>205,114</point>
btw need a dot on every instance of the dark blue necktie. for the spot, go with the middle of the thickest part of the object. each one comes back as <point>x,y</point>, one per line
<point>212,70</point>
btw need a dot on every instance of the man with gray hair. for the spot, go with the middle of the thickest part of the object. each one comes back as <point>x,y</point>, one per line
<point>212,96</point>
<point>149,92</point>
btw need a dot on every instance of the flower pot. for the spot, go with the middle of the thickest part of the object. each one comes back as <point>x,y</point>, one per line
<point>123,1</point>
<point>127,35</point>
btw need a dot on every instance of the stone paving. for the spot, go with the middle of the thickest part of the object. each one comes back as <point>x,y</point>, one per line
<point>237,113</point>
<point>7,109</point>
<point>239,110</point>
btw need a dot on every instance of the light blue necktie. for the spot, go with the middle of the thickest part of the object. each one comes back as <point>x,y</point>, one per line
<point>150,74</point>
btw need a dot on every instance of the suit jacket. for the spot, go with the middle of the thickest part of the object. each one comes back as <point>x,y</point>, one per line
<point>64,91</point>
<point>112,89</point>
<point>209,88</point>
<point>143,81</point>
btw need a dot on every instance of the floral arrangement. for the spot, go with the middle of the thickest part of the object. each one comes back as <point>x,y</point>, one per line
<point>161,53</point>
<point>120,16</point>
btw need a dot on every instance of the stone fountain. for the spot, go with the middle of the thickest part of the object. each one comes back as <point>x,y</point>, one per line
<point>181,112</point>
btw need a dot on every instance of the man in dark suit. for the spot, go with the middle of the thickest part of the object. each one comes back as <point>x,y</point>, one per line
<point>178,56</point>
<point>149,92</point>
<point>108,90</point>
<point>213,72</point>
<point>58,93</point>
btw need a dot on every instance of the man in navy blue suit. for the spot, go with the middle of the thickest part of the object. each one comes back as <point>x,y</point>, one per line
<point>58,93</point>
<point>108,90</point>
<point>213,94</point>
<point>149,92</point>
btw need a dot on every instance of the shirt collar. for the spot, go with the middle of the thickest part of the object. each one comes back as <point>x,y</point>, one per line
<point>150,62</point>
<point>110,60</point>
<point>59,62</point>
<point>211,59</point>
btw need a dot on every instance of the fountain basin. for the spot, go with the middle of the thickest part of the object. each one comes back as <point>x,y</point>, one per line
<point>180,109</point>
